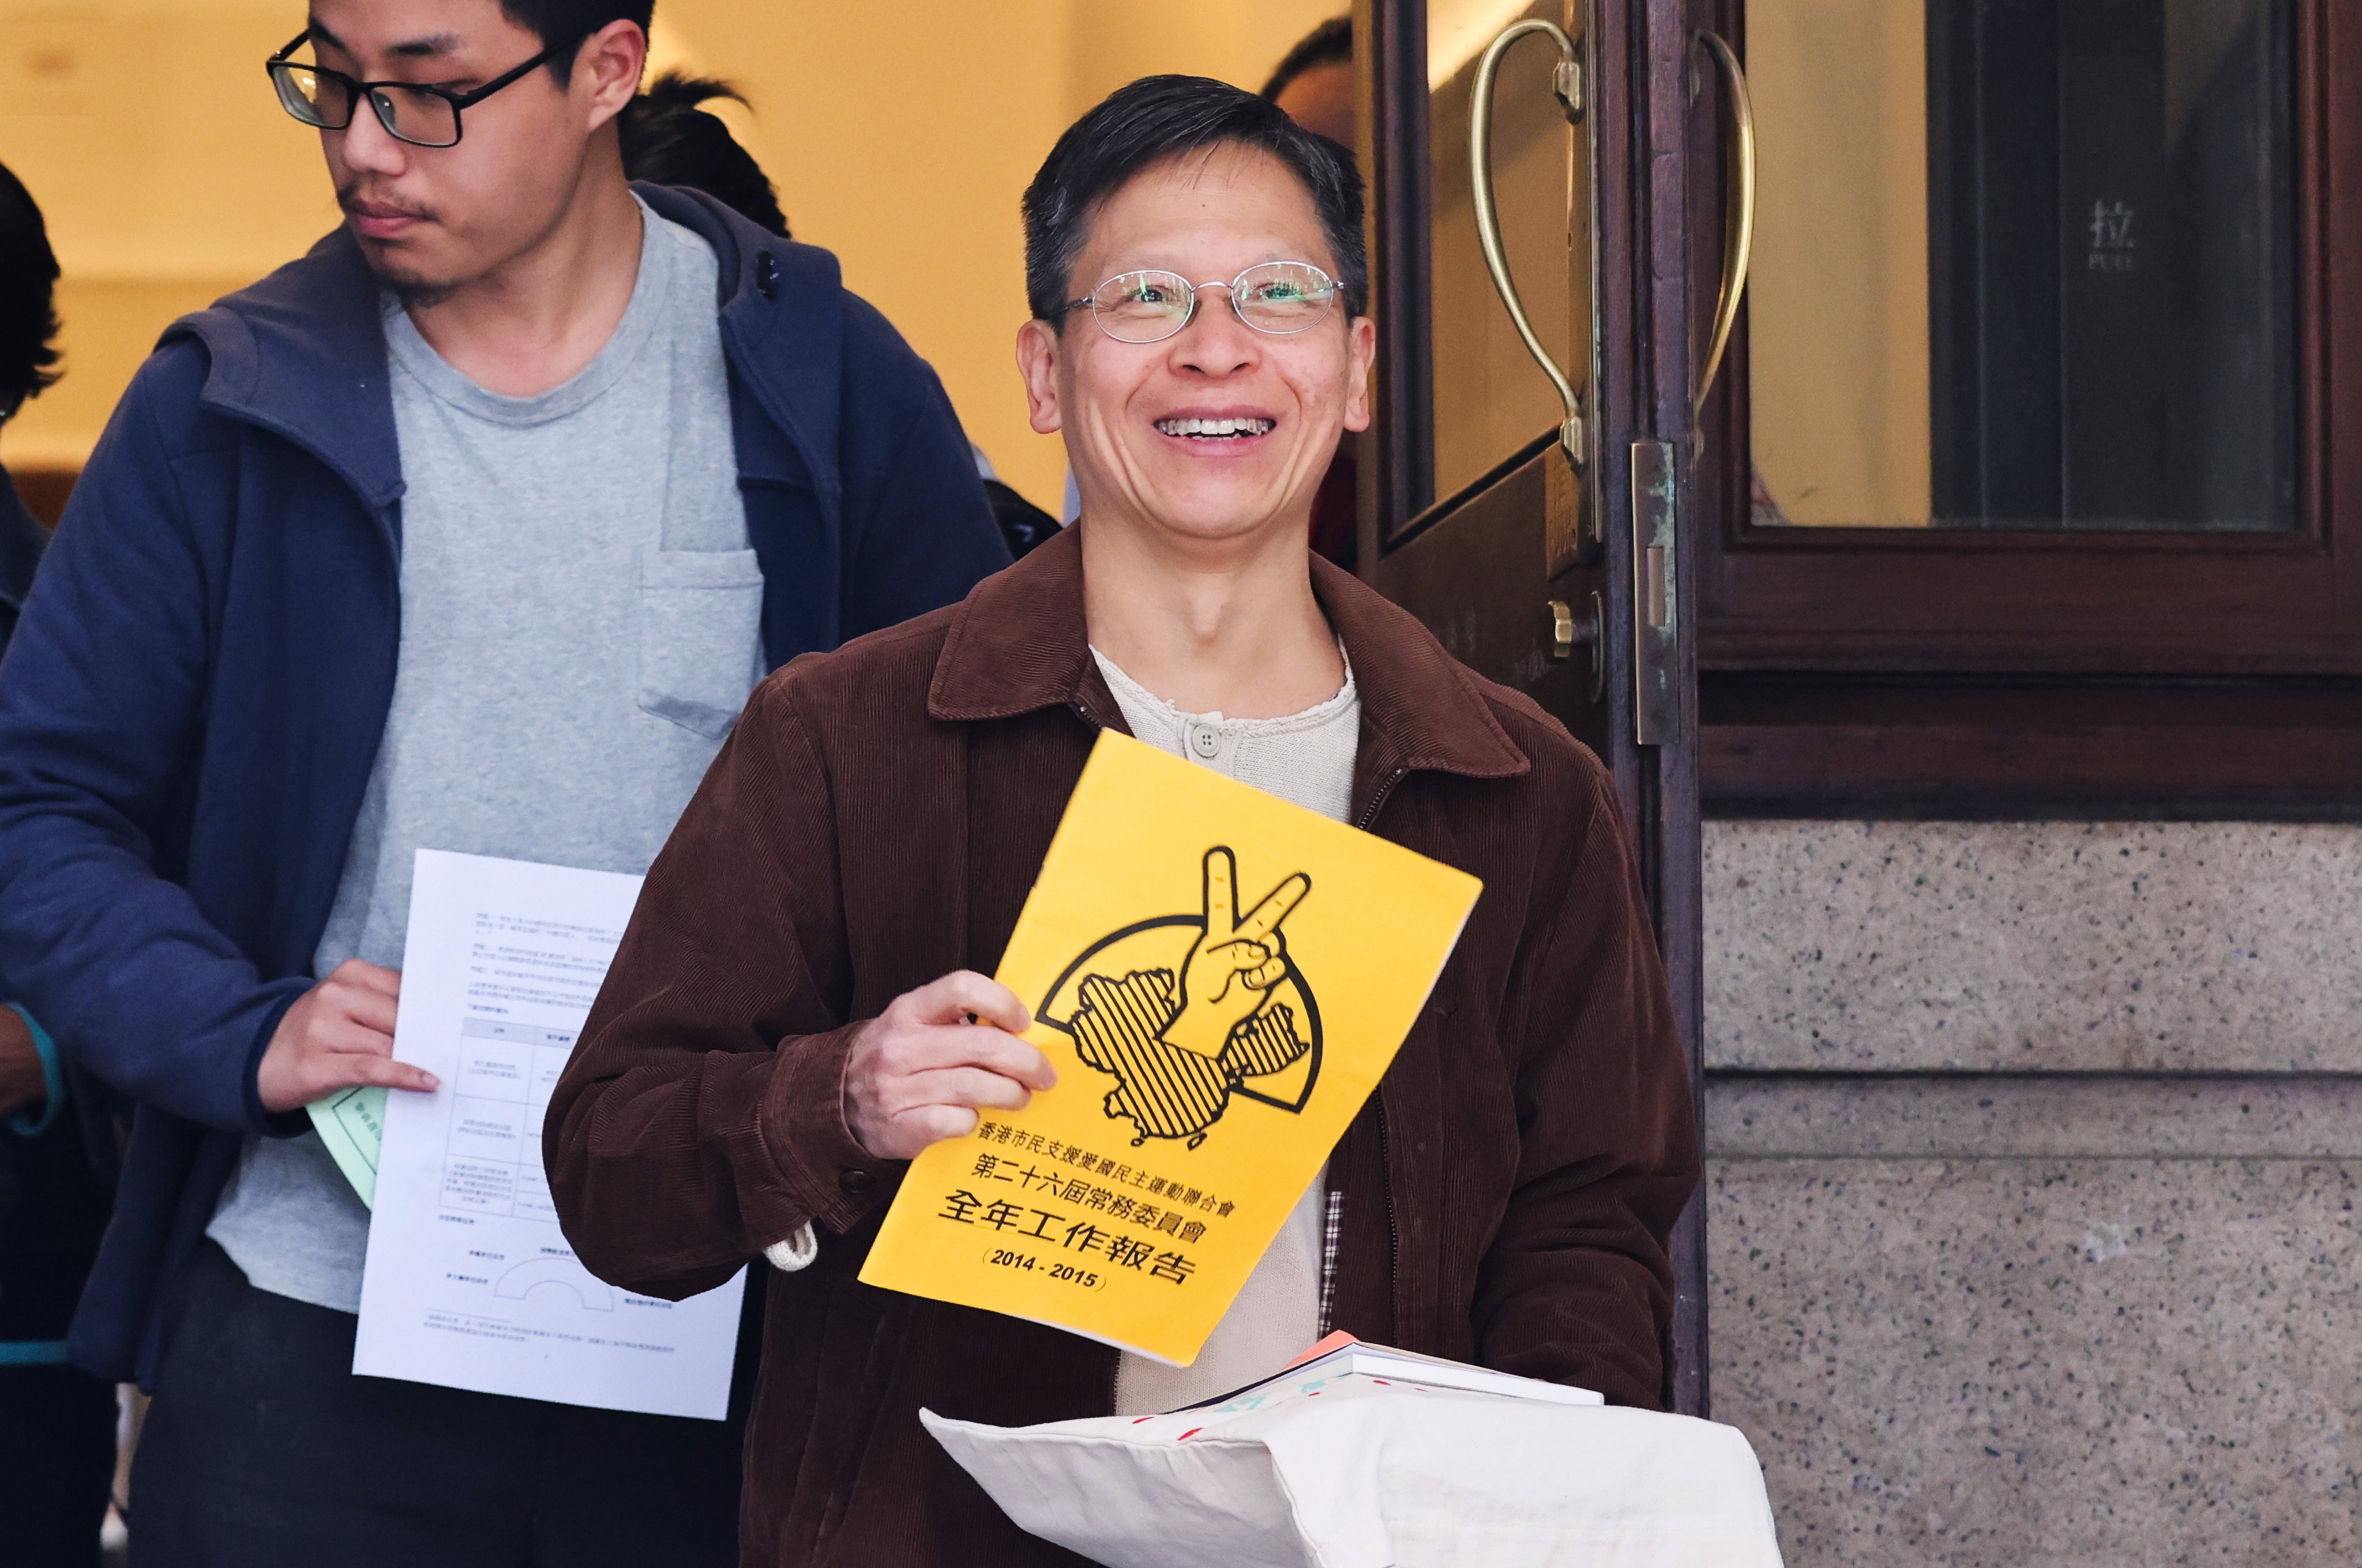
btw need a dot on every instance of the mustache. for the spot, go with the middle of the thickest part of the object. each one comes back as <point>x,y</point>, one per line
<point>357,193</point>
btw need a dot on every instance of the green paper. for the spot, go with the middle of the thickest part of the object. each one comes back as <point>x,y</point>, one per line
<point>351,1122</point>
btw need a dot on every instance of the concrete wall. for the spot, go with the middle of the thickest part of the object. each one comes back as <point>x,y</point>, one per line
<point>2034,1153</point>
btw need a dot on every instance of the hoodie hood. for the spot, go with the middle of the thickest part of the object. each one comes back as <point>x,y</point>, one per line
<point>301,353</point>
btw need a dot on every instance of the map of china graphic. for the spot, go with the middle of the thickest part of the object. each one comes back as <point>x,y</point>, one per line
<point>1186,1012</point>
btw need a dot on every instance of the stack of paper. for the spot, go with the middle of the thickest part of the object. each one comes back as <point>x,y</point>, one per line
<point>1371,1458</point>
<point>1343,1355</point>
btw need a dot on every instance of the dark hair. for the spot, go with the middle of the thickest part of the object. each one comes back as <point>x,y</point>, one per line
<point>669,140</point>
<point>1159,118</point>
<point>562,25</point>
<point>1330,43</point>
<point>28,318</point>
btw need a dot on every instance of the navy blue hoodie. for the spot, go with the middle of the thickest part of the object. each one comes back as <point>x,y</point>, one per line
<point>193,699</point>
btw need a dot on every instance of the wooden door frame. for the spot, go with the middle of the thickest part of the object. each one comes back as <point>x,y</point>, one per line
<point>1644,110</point>
<point>1963,674</point>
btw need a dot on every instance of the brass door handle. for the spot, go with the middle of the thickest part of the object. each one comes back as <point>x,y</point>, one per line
<point>1737,214</point>
<point>1567,633</point>
<point>1568,84</point>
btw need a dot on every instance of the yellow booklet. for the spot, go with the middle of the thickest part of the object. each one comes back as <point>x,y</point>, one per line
<point>1220,979</point>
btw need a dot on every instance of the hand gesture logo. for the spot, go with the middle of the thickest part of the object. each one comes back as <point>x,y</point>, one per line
<point>1234,963</point>
<point>1188,1011</point>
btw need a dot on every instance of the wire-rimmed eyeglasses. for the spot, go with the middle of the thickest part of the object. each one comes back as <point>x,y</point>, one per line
<point>409,111</point>
<point>1281,298</point>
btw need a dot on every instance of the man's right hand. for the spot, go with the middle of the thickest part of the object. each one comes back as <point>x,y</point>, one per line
<point>921,1070</point>
<point>339,1035</point>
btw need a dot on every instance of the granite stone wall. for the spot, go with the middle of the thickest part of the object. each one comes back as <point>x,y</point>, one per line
<point>2034,1151</point>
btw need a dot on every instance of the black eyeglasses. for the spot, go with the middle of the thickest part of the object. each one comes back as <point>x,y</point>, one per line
<point>419,114</point>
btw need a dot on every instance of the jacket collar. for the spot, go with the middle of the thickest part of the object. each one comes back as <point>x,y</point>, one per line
<point>301,353</point>
<point>1019,644</point>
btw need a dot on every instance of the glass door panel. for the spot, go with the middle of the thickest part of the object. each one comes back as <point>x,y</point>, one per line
<point>1490,401</point>
<point>2024,264</point>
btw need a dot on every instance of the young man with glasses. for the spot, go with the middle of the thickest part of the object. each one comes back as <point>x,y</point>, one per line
<point>800,1004</point>
<point>471,530</point>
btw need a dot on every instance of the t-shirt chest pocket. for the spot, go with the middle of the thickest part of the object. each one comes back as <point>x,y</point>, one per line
<point>700,628</point>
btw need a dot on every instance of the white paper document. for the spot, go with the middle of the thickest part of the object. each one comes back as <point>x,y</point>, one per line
<point>1333,1465</point>
<point>469,1283</point>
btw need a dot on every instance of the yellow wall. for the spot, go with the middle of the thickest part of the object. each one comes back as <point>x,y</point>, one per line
<point>1239,40</point>
<point>1837,300</point>
<point>901,134</point>
<point>162,190</point>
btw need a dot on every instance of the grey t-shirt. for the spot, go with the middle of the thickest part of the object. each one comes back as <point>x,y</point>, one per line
<point>1306,758</point>
<point>580,616</point>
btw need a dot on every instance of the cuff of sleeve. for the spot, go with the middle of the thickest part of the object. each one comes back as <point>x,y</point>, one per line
<point>53,1077</point>
<point>795,1254</point>
<point>827,1173</point>
<point>286,1124</point>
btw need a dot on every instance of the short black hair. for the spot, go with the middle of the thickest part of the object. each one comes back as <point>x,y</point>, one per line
<point>28,279</point>
<point>1330,43</point>
<point>562,25</point>
<point>669,140</point>
<point>1159,118</point>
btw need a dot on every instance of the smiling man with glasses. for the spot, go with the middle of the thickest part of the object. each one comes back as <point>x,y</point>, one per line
<point>800,1004</point>
<point>470,530</point>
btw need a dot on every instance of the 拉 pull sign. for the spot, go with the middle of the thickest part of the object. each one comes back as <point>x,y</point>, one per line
<point>1656,610</point>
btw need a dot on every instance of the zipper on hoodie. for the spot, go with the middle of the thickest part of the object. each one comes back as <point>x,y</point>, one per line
<point>1385,787</point>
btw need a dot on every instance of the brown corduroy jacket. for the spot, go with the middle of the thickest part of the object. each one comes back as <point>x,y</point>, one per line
<point>876,821</point>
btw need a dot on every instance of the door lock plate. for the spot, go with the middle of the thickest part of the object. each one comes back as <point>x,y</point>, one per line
<point>1656,597</point>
